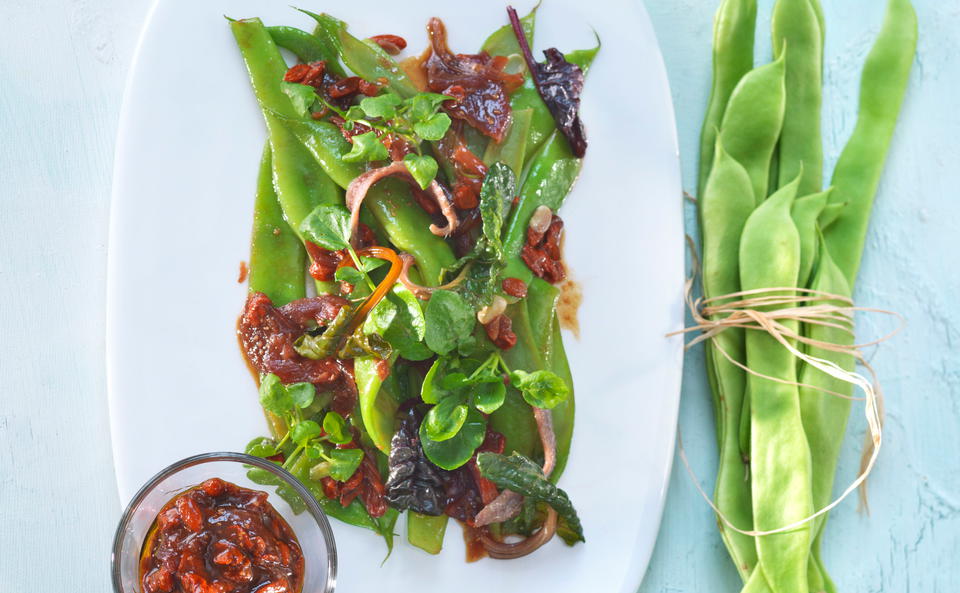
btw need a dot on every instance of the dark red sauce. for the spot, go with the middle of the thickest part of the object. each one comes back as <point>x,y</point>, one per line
<point>221,538</point>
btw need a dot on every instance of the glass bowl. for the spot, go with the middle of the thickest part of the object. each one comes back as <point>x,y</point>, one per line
<point>310,524</point>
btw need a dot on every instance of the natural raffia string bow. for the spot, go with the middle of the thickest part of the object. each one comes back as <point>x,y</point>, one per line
<point>766,310</point>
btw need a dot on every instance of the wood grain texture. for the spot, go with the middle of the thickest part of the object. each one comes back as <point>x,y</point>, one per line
<point>62,68</point>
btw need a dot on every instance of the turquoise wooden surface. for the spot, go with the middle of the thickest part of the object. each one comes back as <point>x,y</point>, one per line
<point>62,69</point>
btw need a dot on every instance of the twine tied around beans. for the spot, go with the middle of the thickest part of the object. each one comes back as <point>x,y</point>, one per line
<point>765,310</point>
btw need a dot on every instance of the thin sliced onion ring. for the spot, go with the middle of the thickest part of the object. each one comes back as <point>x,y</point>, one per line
<point>509,551</point>
<point>358,188</point>
<point>423,292</point>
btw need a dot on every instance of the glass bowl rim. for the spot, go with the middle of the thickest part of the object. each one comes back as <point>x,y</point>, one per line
<point>313,507</point>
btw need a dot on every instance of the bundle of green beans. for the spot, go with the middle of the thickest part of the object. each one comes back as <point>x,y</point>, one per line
<point>768,222</point>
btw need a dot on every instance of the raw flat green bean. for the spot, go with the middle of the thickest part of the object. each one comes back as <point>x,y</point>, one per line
<point>734,27</point>
<point>305,46</point>
<point>857,175</point>
<point>753,120</point>
<point>825,415</point>
<point>552,173</point>
<point>805,212</point>
<point>780,469</point>
<point>426,532</point>
<point>277,258</point>
<point>796,31</point>
<point>725,205</point>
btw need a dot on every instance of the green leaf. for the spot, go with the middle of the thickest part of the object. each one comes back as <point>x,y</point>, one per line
<point>434,127</point>
<point>454,452</point>
<point>301,394</point>
<point>445,419</point>
<point>349,275</point>
<point>328,226</point>
<point>423,168</point>
<point>432,391</point>
<point>449,321</point>
<point>366,147</point>
<point>399,319</point>
<point>490,395</point>
<point>261,447</point>
<point>363,344</point>
<point>354,113</point>
<point>496,196</point>
<point>519,474</point>
<point>314,452</point>
<point>336,428</point>
<point>303,431</point>
<point>541,389</point>
<point>326,344</point>
<point>344,462</point>
<point>383,106</point>
<point>455,381</point>
<point>301,95</point>
<point>273,395</point>
<point>423,105</point>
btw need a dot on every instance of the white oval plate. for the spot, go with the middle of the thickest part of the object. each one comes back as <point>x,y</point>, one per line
<point>187,154</point>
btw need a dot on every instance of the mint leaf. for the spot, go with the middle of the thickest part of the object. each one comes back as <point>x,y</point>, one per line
<point>344,463</point>
<point>519,474</point>
<point>433,127</point>
<point>349,275</point>
<point>383,106</point>
<point>449,321</point>
<point>366,147</point>
<point>328,226</point>
<point>541,389</point>
<point>423,168</point>
<point>273,395</point>
<point>303,431</point>
<point>301,95</point>
<point>445,419</point>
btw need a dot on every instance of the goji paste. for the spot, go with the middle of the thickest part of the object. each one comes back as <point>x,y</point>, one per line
<point>221,538</point>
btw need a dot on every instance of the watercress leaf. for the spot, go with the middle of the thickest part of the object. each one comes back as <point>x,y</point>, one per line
<point>301,95</point>
<point>264,477</point>
<point>519,474</point>
<point>313,452</point>
<point>349,275</point>
<point>354,113</point>
<point>371,263</point>
<point>455,381</point>
<point>489,396</point>
<point>457,450</point>
<point>261,447</point>
<point>399,319</point>
<point>336,428</point>
<point>273,395</point>
<point>423,168</point>
<point>541,389</point>
<point>445,419</point>
<point>366,147</point>
<point>302,394</point>
<point>434,127</point>
<point>328,226</point>
<point>432,391</point>
<point>303,431</point>
<point>383,106</point>
<point>449,321</point>
<point>423,105</point>
<point>344,463</point>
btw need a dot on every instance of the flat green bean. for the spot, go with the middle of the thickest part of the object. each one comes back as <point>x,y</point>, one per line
<point>780,469</point>
<point>734,27</point>
<point>753,120</point>
<point>805,212</point>
<point>857,175</point>
<point>796,31</point>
